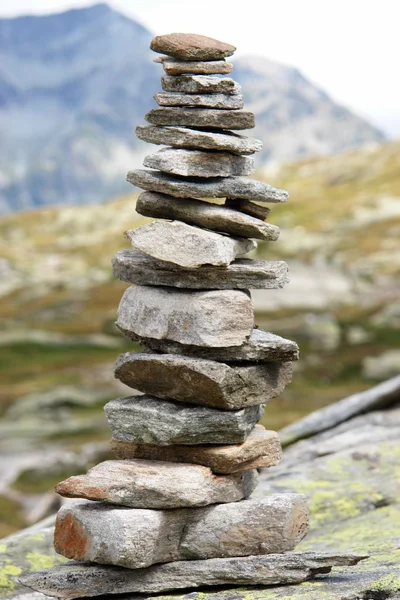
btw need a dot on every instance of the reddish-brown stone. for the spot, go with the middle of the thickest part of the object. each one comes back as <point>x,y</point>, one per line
<point>71,538</point>
<point>190,46</point>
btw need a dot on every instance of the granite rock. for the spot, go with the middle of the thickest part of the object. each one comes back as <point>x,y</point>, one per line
<point>229,102</point>
<point>195,163</point>
<point>215,318</point>
<point>187,246</point>
<point>148,420</point>
<point>249,208</point>
<point>191,47</point>
<point>200,84</point>
<point>260,449</point>
<point>192,138</point>
<point>201,381</point>
<point>182,67</point>
<point>230,187</point>
<point>135,267</point>
<point>201,117</point>
<point>157,484</point>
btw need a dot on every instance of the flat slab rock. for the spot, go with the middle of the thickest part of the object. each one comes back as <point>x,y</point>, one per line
<point>262,346</point>
<point>173,66</point>
<point>157,484</point>
<point>227,101</point>
<point>77,580</point>
<point>200,84</point>
<point>137,538</point>
<point>187,246</point>
<point>228,187</point>
<point>249,208</point>
<point>195,163</point>
<point>192,138</point>
<point>201,381</point>
<point>214,318</point>
<point>201,117</point>
<point>190,46</point>
<point>260,449</point>
<point>149,420</point>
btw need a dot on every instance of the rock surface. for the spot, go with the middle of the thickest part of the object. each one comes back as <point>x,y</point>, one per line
<point>194,163</point>
<point>181,67</point>
<point>230,187</point>
<point>135,267</point>
<point>199,84</point>
<point>226,101</point>
<point>190,46</point>
<point>157,484</point>
<point>249,208</point>
<point>201,381</point>
<point>138,538</point>
<point>205,214</point>
<point>192,138</point>
<point>149,420</point>
<point>187,246</point>
<point>260,449</point>
<point>201,117</point>
<point>215,318</point>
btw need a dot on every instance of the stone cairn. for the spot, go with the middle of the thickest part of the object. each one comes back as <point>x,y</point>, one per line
<point>188,448</point>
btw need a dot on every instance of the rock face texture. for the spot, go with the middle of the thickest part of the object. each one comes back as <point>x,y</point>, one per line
<point>200,100</point>
<point>190,46</point>
<point>201,117</point>
<point>180,67</point>
<point>194,163</point>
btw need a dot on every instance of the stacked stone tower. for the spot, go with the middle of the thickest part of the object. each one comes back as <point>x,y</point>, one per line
<point>174,510</point>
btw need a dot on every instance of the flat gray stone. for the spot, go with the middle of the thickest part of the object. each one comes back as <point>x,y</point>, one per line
<point>230,187</point>
<point>202,381</point>
<point>135,267</point>
<point>205,214</point>
<point>261,449</point>
<point>148,420</point>
<point>196,163</point>
<point>229,102</point>
<point>187,246</point>
<point>262,346</point>
<point>201,117</point>
<point>191,138</point>
<point>215,318</point>
<point>157,484</point>
<point>173,66</point>
<point>137,538</point>
<point>249,208</point>
<point>191,46</point>
<point>73,580</point>
<point>200,84</point>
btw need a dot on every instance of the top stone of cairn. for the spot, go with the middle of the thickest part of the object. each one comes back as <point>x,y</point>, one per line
<point>189,46</point>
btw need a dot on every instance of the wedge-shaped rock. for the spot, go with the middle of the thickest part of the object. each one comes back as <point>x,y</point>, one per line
<point>249,208</point>
<point>149,420</point>
<point>201,117</point>
<point>73,580</point>
<point>157,484</point>
<point>135,267</point>
<point>200,84</point>
<point>205,214</point>
<point>215,318</point>
<point>262,346</point>
<point>195,163</point>
<point>173,66</point>
<point>192,138</point>
<point>201,381</point>
<point>137,538</point>
<point>191,46</point>
<point>261,448</point>
<point>229,102</point>
<point>230,187</point>
<point>187,246</point>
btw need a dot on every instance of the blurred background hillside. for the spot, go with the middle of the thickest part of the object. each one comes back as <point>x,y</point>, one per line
<point>73,86</point>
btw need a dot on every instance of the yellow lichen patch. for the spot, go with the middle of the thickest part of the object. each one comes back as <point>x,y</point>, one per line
<point>39,561</point>
<point>7,572</point>
<point>389,583</point>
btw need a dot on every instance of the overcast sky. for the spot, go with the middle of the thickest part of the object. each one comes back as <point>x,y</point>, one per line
<point>350,48</point>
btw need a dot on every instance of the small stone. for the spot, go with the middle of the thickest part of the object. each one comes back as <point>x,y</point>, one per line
<point>187,246</point>
<point>191,46</point>
<point>215,318</point>
<point>137,538</point>
<point>194,163</point>
<point>229,102</point>
<point>191,138</point>
<point>135,267</point>
<point>261,449</point>
<point>201,381</point>
<point>183,67</point>
<point>262,346</point>
<point>231,187</point>
<point>149,420</point>
<point>201,117</point>
<point>249,208</point>
<point>157,484</point>
<point>200,84</point>
<point>205,214</point>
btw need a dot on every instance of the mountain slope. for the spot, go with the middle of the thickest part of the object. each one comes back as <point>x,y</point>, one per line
<point>74,85</point>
